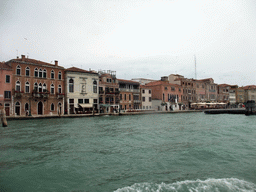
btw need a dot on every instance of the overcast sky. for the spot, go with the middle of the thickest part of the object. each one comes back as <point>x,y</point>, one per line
<point>136,38</point>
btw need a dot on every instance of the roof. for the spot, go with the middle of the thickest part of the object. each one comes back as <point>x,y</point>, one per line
<point>224,85</point>
<point>33,61</point>
<point>128,81</point>
<point>156,83</point>
<point>249,87</point>
<point>75,69</point>
<point>4,66</point>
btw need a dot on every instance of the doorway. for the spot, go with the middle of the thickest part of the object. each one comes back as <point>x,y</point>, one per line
<point>40,108</point>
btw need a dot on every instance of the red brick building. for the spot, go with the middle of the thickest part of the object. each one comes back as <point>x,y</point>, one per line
<point>37,87</point>
<point>5,87</point>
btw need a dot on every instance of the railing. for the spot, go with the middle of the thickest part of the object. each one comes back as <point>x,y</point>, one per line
<point>18,94</point>
<point>60,95</point>
<point>136,101</point>
<point>129,90</point>
<point>44,95</point>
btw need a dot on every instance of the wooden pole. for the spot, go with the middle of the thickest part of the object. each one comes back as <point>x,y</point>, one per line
<point>3,117</point>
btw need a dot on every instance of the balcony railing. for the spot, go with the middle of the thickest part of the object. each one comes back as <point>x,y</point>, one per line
<point>60,95</point>
<point>44,95</point>
<point>18,94</point>
<point>136,101</point>
<point>129,90</point>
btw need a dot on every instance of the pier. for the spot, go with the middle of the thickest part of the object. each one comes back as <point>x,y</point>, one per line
<point>225,111</point>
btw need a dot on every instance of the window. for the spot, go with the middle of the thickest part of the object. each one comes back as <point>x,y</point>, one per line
<point>120,96</point>
<point>149,91</point>
<point>40,88</point>
<point>125,97</point>
<point>59,89</point>
<point>17,88</point>
<point>52,107</point>
<point>44,88</point>
<point>95,100</point>
<point>166,88</point>
<point>109,80</point>
<point>35,87</point>
<point>130,97</point>
<point>59,75</point>
<point>80,100</point>
<point>27,71</point>
<point>27,87</point>
<point>36,72</point>
<point>7,94</point>
<point>44,73</point>
<point>86,101</point>
<point>71,85</point>
<point>52,89</point>
<point>18,70</point>
<point>26,106</point>
<point>172,88</point>
<point>143,91</point>
<point>7,79</point>
<point>163,96</point>
<point>94,86</point>
<point>149,99</point>
<point>52,74</point>
<point>143,99</point>
<point>40,73</point>
<point>71,100</point>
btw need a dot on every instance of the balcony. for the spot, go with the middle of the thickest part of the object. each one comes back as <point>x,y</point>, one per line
<point>129,90</point>
<point>18,94</point>
<point>60,95</point>
<point>137,101</point>
<point>43,95</point>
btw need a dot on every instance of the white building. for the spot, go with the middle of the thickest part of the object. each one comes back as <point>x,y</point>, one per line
<point>146,98</point>
<point>82,95</point>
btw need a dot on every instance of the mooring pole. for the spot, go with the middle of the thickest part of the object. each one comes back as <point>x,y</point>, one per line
<point>3,117</point>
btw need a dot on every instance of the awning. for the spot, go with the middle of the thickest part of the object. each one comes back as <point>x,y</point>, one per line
<point>86,105</point>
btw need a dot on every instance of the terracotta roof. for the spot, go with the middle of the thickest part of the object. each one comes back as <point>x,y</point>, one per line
<point>249,87</point>
<point>160,83</point>
<point>75,69</point>
<point>4,66</point>
<point>224,85</point>
<point>127,81</point>
<point>33,61</point>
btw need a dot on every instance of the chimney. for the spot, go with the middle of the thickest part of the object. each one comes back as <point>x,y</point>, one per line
<point>22,57</point>
<point>56,63</point>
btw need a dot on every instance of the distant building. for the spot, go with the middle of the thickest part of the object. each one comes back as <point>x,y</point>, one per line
<point>223,93</point>
<point>143,81</point>
<point>6,87</point>
<point>129,94</point>
<point>250,92</point>
<point>169,94</point>
<point>108,92</point>
<point>82,95</point>
<point>232,94</point>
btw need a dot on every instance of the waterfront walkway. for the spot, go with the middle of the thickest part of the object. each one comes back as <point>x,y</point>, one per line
<point>96,114</point>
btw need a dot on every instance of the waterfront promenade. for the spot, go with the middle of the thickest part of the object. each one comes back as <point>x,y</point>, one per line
<point>96,114</point>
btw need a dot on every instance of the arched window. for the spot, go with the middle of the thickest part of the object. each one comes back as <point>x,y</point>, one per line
<point>18,70</point>
<point>36,72</point>
<point>17,108</point>
<point>44,87</point>
<point>52,74</point>
<point>44,73</point>
<point>17,87</point>
<point>94,86</point>
<point>40,73</point>
<point>59,89</point>
<point>27,87</point>
<point>27,71</point>
<point>40,88</point>
<point>35,87</point>
<point>71,85</point>
<point>60,75</point>
<point>52,107</point>
<point>52,89</point>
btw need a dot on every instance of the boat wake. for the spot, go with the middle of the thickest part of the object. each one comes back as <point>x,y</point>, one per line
<point>209,185</point>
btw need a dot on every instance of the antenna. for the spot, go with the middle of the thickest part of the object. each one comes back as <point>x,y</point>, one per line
<point>195,65</point>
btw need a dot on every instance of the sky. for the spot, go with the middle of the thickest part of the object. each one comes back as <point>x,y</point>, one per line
<point>136,38</point>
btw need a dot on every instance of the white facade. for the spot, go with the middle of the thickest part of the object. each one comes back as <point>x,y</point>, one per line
<point>82,95</point>
<point>146,98</point>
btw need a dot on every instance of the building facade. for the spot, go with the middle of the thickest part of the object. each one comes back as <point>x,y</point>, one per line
<point>223,93</point>
<point>82,95</point>
<point>146,98</point>
<point>6,88</point>
<point>37,87</point>
<point>250,92</point>
<point>129,94</point>
<point>108,92</point>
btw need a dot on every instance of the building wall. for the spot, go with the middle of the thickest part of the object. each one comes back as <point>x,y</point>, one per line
<point>146,98</point>
<point>82,89</point>
<point>36,101</point>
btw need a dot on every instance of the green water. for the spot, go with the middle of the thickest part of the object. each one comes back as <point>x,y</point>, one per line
<point>156,152</point>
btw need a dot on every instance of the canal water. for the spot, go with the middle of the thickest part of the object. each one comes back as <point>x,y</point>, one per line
<point>155,152</point>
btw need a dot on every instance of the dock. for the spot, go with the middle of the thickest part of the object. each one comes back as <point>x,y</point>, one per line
<point>225,111</point>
